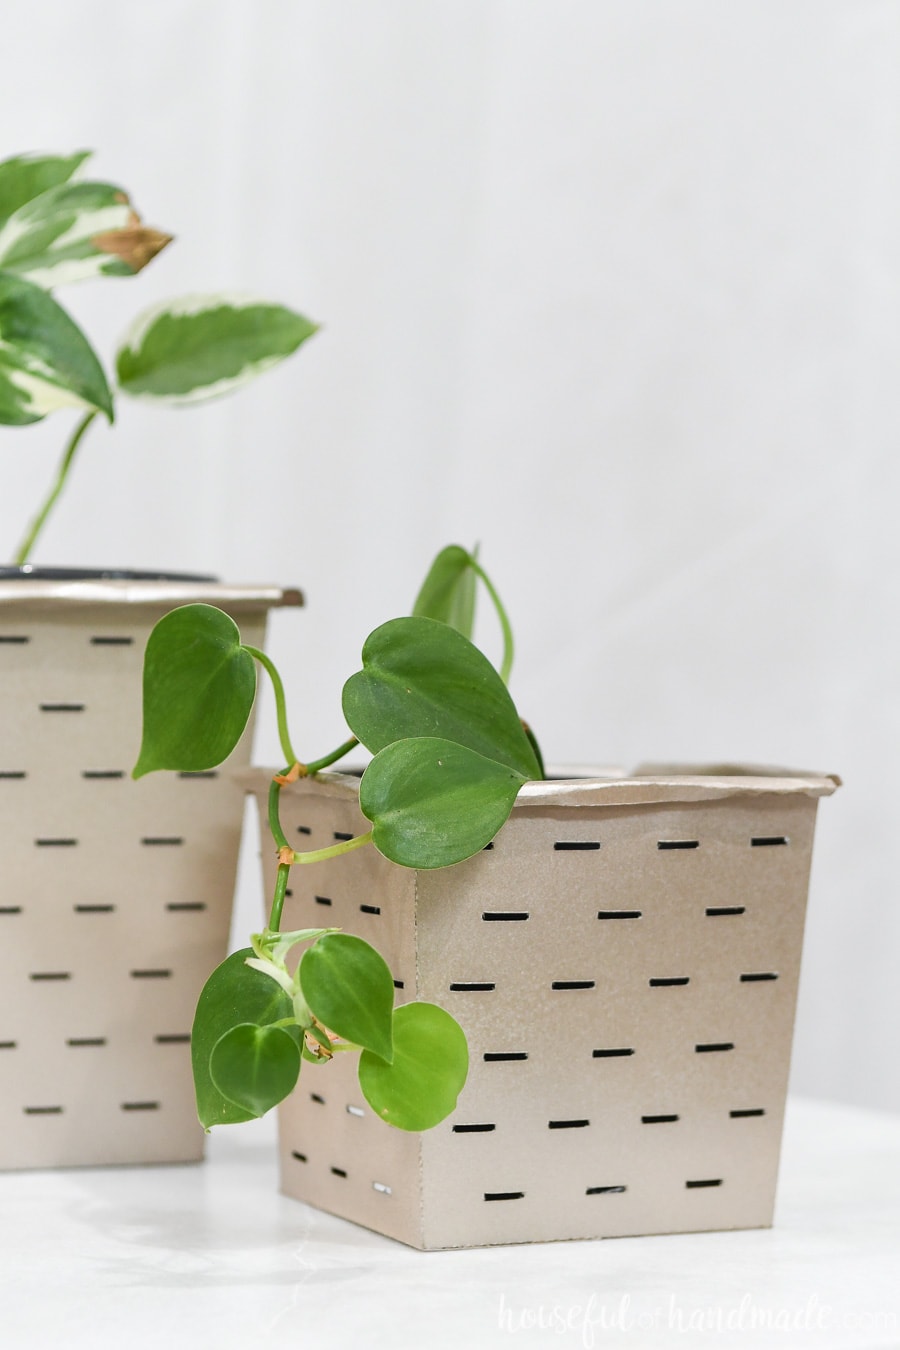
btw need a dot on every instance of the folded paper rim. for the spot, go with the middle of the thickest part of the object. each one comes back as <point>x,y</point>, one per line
<point>29,593</point>
<point>668,783</point>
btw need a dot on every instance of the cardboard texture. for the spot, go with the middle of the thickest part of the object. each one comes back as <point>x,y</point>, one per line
<point>624,960</point>
<point>115,896</point>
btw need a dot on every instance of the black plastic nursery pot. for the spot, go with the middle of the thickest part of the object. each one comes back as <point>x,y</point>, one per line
<point>34,572</point>
<point>115,895</point>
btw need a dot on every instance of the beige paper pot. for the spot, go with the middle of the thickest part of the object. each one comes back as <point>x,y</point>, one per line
<point>624,961</point>
<point>115,896</point>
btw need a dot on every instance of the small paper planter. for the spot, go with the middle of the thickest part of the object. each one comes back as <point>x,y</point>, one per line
<point>624,961</point>
<point>115,896</point>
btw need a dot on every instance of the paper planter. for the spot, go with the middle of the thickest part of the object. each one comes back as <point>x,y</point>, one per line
<point>115,895</point>
<point>624,960</point>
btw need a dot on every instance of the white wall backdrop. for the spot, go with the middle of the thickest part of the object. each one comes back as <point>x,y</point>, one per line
<point>612,287</point>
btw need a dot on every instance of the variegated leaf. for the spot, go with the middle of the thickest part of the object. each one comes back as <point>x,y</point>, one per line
<point>46,362</point>
<point>27,176</point>
<point>203,346</point>
<point>75,231</point>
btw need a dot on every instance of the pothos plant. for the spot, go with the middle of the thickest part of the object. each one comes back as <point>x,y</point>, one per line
<point>56,229</point>
<point>450,754</point>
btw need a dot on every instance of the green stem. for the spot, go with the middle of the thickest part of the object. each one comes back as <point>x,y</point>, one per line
<point>59,483</point>
<point>281,881</point>
<point>334,851</point>
<point>280,705</point>
<point>505,625</point>
<point>278,833</point>
<point>284,872</point>
<point>335,755</point>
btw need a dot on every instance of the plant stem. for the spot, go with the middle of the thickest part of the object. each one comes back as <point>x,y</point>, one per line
<point>284,871</point>
<point>27,544</point>
<point>281,881</point>
<point>335,850</point>
<point>280,705</point>
<point>278,833</point>
<point>335,755</point>
<point>505,625</point>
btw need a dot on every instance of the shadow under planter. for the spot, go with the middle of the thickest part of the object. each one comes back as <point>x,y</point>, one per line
<point>624,961</point>
<point>115,896</point>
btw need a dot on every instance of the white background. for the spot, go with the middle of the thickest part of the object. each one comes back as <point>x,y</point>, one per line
<point>610,286</point>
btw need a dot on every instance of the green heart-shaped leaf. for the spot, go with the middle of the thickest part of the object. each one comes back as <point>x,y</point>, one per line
<point>255,1067</point>
<point>234,994</point>
<point>46,362</point>
<point>433,803</point>
<point>350,990</point>
<point>203,346</point>
<point>26,176</point>
<point>421,678</point>
<point>431,1059</point>
<point>199,686</point>
<point>448,592</point>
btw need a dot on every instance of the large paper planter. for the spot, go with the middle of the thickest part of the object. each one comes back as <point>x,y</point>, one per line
<point>115,896</point>
<point>624,960</point>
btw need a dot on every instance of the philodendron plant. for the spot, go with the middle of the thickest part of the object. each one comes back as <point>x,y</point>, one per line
<point>56,229</point>
<point>450,754</point>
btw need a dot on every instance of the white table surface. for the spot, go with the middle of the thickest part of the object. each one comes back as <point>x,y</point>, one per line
<point>211,1256</point>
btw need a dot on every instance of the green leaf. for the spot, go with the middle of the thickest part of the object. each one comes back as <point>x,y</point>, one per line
<point>46,362</point>
<point>27,176</point>
<point>202,346</point>
<point>421,678</point>
<point>448,592</point>
<point>433,803</point>
<point>431,1059</point>
<point>233,995</point>
<point>349,989</point>
<point>74,231</point>
<point>255,1067</point>
<point>199,687</point>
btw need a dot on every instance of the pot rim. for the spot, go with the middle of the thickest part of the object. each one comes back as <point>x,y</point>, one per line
<point>684,783</point>
<point>23,589</point>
